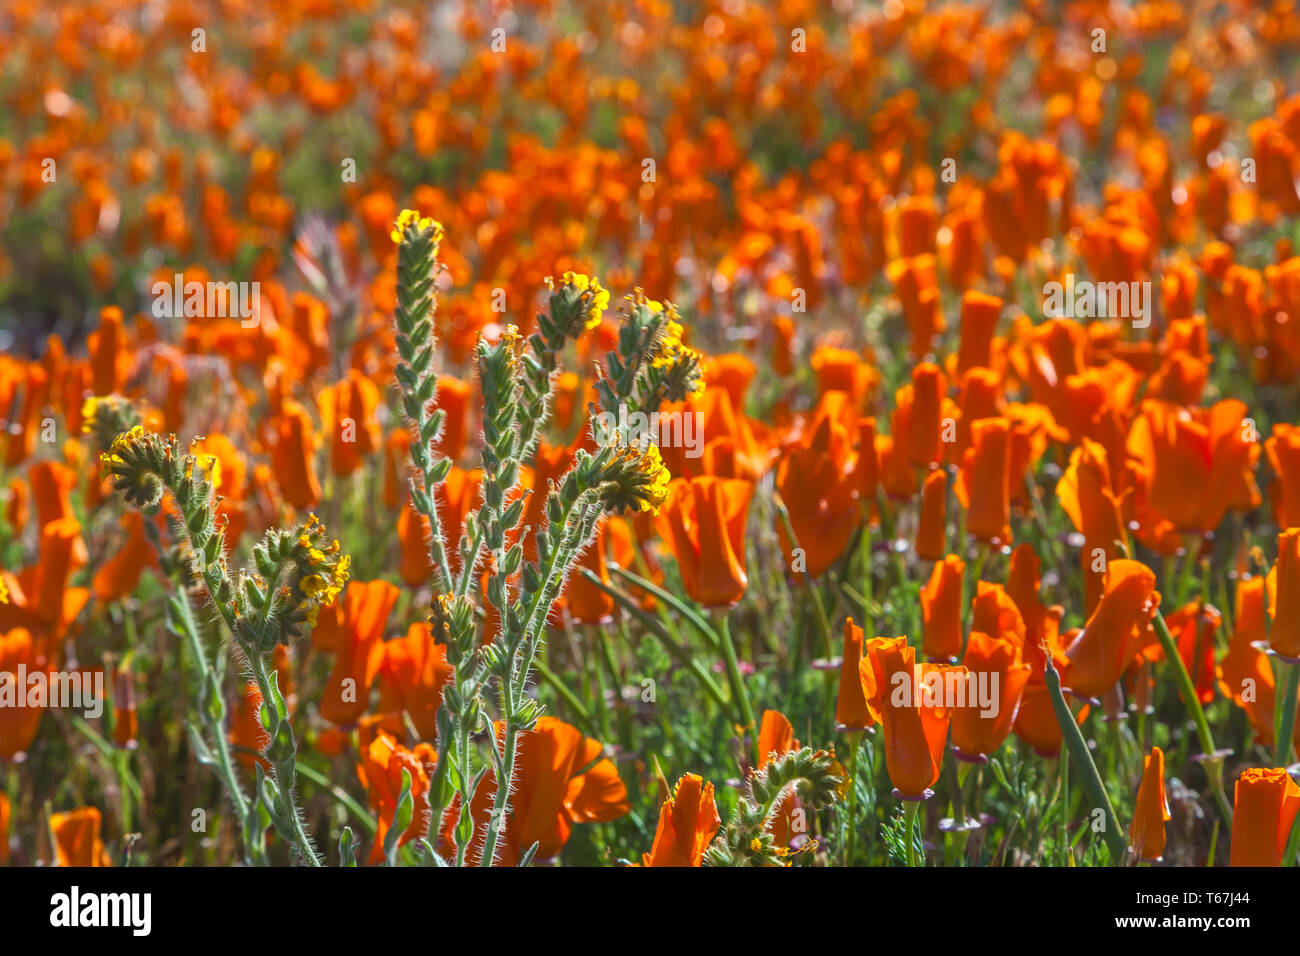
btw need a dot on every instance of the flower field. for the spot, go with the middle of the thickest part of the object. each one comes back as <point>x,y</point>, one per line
<point>633,433</point>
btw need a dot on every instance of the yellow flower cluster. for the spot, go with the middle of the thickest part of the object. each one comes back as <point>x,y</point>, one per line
<point>410,217</point>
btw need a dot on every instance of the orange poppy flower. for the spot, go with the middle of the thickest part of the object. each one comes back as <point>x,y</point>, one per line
<point>292,454</point>
<point>1246,673</point>
<point>976,732</point>
<point>354,631</point>
<point>703,521</point>
<point>1283,584</point>
<point>348,415</point>
<point>1085,495</point>
<point>979,322</point>
<point>688,822</point>
<point>1264,808</point>
<point>1102,650</point>
<point>560,779</point>
<point>1146,834</point>
<point>18,725</point>
<point>984,483</point>
<point>1283,450</point>
<point>380,772</point>
<point>776,737</point>
<point>412,673</point>
<point>119,575</point>
<point>851,712</point>
<point>819,497</point>
<point>931,532</point>
<point>941,609</point>
<point>76,838</point>
<point>915,726</point>
<point>246,730</point>
<point>1193,627</point>
<point>1196,464</point>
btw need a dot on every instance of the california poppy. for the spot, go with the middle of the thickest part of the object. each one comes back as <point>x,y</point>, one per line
<point>354,630</point>
<point>412,673</point>
<point>931,532</point>
<point>703,522</point>
<point>380,771</point>
<point>1284,596</point>
<point>941,609</point>
<point>560,779</point>
<point>984,483</point>
<point>1264,808</point>
<point>1146,833</point>
<point>979,730</point>
<point>1101,651</point>
<point>851,711</point>
<point>915,725</point>
<point>76,838</point>
<point>688,821</point>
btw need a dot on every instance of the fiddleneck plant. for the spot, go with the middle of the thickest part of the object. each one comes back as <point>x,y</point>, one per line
<point>626,474</point>
<point>296,575</point>
<point>814,775</point>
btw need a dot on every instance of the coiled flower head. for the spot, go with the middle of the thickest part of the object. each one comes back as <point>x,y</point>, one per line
<point>578,304</point>
<point>410,220</point>
<point>135,461</point>
<point>635,479</point>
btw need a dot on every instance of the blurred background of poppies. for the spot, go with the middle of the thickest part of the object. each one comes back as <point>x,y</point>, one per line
<point>855,207</point>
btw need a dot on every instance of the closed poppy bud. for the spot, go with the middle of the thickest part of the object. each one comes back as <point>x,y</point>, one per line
<point>1101,651</point>
<point>930,532</point>
<point>1284,596</point>
<point>783,345</point>
<point>921,425</point>
<point>979,322</point>
<point>776,737</point>
<point>918,221</point>
<point>1146,834</point>
<point>866,468</point>
<point>915,727</point>
<point>1264,808</point>
<point>688,822</point>
<point>984,484</point>
<point>941,608</point>
<point>126,722</point>
<point>851,711</point>
<point>980,725</point>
